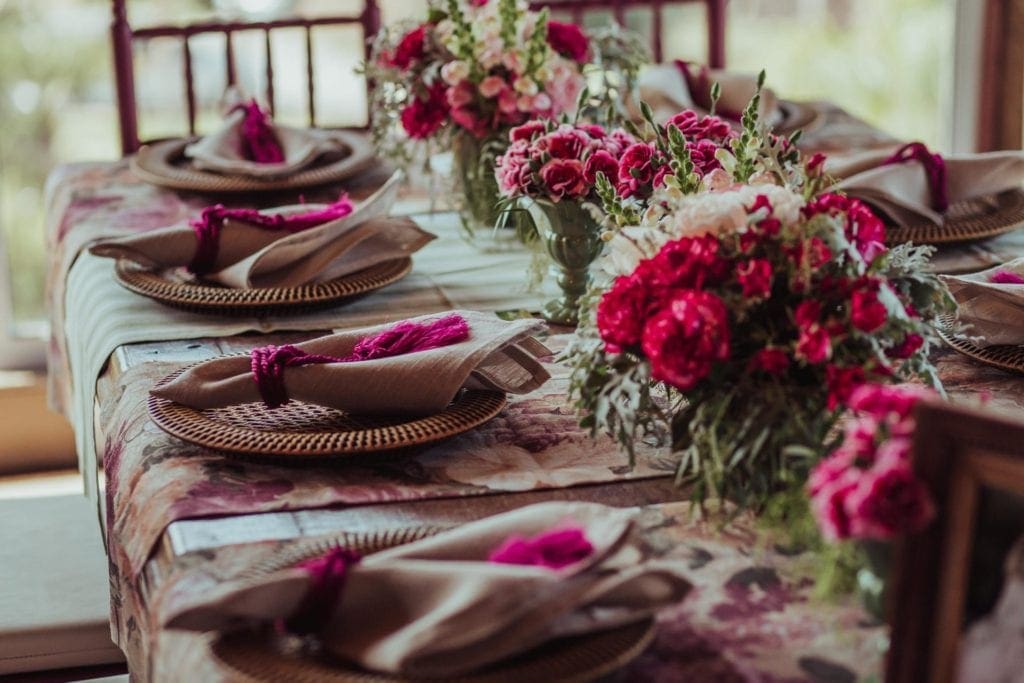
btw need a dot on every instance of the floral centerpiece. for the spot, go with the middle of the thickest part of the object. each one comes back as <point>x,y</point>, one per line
<point>745,308</point>
<point>474,70</point>
<point>550,171</point>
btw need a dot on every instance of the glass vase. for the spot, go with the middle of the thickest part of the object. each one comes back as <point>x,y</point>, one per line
<point>476,191</point>
<point>872,578</point>
<point>572,238</point>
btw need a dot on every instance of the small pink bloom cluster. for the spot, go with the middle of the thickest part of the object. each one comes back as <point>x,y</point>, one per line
<point>644,165</point>
<point>500,81</point>
<point>866,488</point>
<point>555,162</point>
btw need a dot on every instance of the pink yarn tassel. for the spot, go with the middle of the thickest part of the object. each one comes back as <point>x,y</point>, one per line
<point>934,167</point>
<point>210,222</point>
<point>327,579</point>
<point>1006,277</point>
<point>259,142</point>
<point>553,549</point>
<point>268,362</point>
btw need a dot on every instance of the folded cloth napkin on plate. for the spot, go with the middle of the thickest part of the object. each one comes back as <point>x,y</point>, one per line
<point>250,144</point>
<point>281,247</point>
<point>670,88</point>
<point>991,303</point>
<point>465,598</point>
<point>911,184</point>
<point>415,367</point>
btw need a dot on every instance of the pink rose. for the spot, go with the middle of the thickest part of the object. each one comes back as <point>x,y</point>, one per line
<point>563,178</point>
<point>460,95</point>
<point>755,276</point>
<point>568,40</point>
<point>600,161</point>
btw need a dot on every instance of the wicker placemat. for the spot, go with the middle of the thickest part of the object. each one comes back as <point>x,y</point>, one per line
<point>178,289</point>
<point>267,656</point>
<point>263,656</point>
<point>304,433</point>
<point>966,221</point>
<point>164,163</point>
<point>1008,358</point>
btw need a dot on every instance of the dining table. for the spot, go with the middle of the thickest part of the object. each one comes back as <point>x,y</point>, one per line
<point>179,520</point>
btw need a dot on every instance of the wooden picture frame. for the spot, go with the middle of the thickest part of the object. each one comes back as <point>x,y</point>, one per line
<point>958,453</point>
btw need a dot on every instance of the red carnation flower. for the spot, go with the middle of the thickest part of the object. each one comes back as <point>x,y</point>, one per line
<point>569,41</point>
<point>422,117</point>
<point>755,276</point>
<point>410,49</point>
<point>889,500</point>
<point>841,384</point>
<point>565,144</point>
<point>688,263</point>
<point>686,337</point>
<point>702,154</point>
<point>636,169</point>
<point>906,348</point>
<point>771,361</point>
<point>527,131</point>
<point>695,127</point>
<point>867,313</point>
<point>600,161</point>
<point>563,178</point>
<point>622,312</point>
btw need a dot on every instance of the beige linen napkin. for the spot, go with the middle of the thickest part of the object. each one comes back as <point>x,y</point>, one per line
<point>252,256</point>
<point>992,310</point>
<point>902,191</point>
<point>497,355</point>
<point>438,608</point>
<point>667,90</point>
<point>223,151</point>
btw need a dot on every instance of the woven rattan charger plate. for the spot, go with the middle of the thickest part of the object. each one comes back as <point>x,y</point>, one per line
<point>967,221</point>
<point>1007,358</point>
<point>266,656</point>
<point>176,288</point>
<point>304,433</point>
<point>164,163</point>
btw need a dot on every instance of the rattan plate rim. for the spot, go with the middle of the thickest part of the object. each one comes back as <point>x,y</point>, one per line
<point>795,116</point>
<point>1004,357</point>
<point>206,298</point>
<point>964,226</point>
<point>160,163</point>
<point>327,442</point>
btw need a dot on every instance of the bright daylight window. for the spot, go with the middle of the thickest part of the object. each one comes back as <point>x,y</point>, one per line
<point>888,61</point>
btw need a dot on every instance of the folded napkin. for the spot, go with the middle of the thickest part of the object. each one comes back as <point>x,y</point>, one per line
<point>280,247</point>
<point>463,599</point>
<point>991,303</point>
<point>912,184</point>
<point>670,88</point>
<point>250,144</point>
<point>415,367</point>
